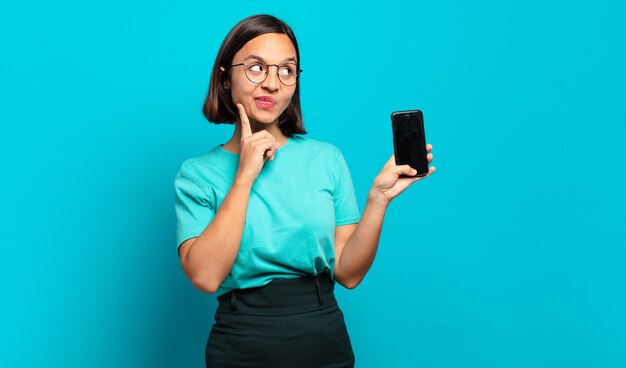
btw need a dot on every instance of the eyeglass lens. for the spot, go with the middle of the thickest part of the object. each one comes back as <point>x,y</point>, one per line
<point>258,71</point>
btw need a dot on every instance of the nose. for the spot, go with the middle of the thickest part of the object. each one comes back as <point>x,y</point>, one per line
<point>271,82</point>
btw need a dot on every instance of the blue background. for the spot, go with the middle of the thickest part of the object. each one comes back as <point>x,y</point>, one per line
<point>512,255</point>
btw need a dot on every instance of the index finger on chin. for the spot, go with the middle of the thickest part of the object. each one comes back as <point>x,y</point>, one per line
<point>246,131</point>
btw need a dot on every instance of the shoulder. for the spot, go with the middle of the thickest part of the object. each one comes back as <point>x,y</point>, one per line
<point>194,167</point>
<point>316,147</point>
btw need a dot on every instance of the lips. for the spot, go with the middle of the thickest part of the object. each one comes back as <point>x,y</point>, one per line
<point>265,102</point>
<point>266,99</point>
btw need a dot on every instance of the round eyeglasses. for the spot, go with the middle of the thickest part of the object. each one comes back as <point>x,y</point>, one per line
<point>257,72</point>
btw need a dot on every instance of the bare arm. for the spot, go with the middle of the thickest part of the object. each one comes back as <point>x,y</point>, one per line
<point>356,245</point>
<point>207,259</point>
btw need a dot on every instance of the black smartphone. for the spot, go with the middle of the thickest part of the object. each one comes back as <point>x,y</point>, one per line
<point>409,140</point>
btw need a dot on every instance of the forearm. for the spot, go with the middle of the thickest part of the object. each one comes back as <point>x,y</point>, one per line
<point>214,251</point>
<point>360,249</point>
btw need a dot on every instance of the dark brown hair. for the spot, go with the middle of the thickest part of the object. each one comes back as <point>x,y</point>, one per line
<point>218,106</point>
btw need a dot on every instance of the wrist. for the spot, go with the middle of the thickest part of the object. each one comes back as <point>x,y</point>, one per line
<point>377,199</point>
<point>243,182</point>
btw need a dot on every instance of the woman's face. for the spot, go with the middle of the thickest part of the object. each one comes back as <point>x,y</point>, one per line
<point>265,101</point>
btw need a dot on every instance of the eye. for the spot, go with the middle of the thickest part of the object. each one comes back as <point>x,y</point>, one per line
<point>287,70</point>
<point>256,68</point>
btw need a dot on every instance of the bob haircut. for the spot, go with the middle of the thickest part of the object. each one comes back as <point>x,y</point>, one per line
<point>218,106</point>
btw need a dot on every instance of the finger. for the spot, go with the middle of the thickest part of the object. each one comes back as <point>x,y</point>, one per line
<point>263,137</point>
<point>246,131</point>
<point>266,146</point>
<point>429,157</point>
<point>262,134</point>
<point>270,153</point>
<point>262,144</point>
<point>404,169</point>
<point>431,170</point>
<point>429,147</point>
<point>266,135</point>
<point>258,147</point>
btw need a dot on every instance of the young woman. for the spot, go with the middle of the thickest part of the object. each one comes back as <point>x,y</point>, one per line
<point>268,220</point>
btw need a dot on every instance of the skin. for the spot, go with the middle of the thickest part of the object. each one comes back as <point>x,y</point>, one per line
<point>274,48</point>
<point>208,258</point>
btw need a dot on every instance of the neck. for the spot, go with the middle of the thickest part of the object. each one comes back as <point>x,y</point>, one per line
<point>233,145</point>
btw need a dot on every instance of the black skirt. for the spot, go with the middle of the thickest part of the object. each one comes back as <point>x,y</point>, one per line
<point>286,323</point>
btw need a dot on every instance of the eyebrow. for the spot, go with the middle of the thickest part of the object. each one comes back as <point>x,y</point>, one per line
<point>291,58</point>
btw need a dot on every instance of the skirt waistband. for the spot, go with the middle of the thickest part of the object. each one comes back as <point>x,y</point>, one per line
<point>281,297</point>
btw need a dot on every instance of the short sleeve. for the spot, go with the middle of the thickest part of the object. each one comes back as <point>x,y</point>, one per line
<point>194,210</point>
<point>346,209</point>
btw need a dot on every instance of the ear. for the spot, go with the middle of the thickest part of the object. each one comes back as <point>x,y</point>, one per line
<point>226,82</point>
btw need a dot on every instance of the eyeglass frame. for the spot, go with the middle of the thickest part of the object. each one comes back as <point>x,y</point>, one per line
<point>298,71</point>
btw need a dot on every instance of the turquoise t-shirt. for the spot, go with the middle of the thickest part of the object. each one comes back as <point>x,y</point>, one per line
<point>294,206</point>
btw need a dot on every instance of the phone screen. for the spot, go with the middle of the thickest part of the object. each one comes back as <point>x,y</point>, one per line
<point>409,140</point>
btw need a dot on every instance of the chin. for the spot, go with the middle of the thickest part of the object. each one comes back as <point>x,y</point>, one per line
<point>265,118</point>
<point>264,121</point>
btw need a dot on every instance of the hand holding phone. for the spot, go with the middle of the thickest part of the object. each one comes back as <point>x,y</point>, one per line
<point>409,140</point>
<point>410,160</point>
